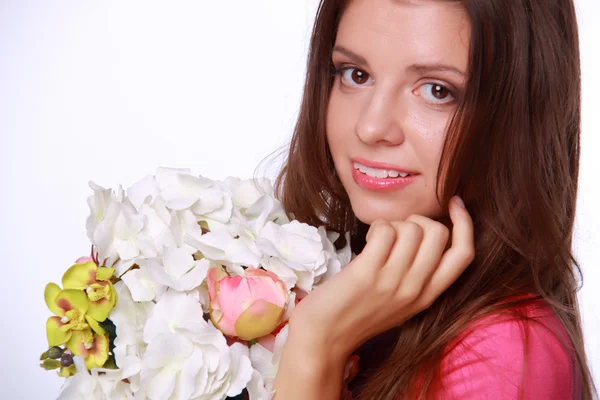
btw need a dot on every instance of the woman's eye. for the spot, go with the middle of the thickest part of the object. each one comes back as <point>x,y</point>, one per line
<point>436,93</point>
<point>354,76</point>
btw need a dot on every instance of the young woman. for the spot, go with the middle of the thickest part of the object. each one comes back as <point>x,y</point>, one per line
<point>408,105</point>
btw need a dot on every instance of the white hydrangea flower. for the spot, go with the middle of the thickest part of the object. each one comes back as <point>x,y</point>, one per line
<point>245,192</point>
<point>115,227</point>
<point>232,243</point>
<point>164,348</point>
<point>178,269</point>
<point>142,283</point>
<point>202,196</point>
<point>187,357</point>
<point>129,317</point>
<point>266,362</point>
<point>99,384</point>
<point>297,246</point>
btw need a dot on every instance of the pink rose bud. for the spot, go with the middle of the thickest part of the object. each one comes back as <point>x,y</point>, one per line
<point>247,307</point>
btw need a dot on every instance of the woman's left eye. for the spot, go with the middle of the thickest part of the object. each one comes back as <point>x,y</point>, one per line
<point>436,93</point>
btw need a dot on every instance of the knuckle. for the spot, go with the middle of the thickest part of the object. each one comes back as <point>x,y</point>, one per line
<point>425,302</point>
<point>440,231</point>
<point>408,294</point>
<point>386,228</point>
<point>413,229</point>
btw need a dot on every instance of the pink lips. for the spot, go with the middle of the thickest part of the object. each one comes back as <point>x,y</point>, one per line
<point>371,183</point>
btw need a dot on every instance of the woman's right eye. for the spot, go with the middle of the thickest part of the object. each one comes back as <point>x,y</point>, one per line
<point>353,76</point>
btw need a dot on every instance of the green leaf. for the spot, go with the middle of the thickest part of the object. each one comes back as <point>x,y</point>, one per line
<point>44,356</point>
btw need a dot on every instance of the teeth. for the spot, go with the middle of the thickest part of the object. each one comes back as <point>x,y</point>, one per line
<point>379,173</point>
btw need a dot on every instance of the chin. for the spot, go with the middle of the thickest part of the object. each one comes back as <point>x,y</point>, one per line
<point>368,210</point>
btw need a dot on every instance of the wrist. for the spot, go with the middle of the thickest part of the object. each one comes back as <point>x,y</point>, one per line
<point>317,345</point>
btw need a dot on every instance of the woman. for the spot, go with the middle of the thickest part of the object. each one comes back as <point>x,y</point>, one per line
<point>408,103</point>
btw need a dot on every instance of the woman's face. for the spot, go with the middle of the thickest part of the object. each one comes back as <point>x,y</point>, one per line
<point>401,68</point>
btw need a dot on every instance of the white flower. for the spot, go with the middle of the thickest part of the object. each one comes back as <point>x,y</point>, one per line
<point>187,357</point>
<point>246,192</point>
<point>129,318</point>
<point>266,362</point>
<point>232,243</point>
<point>145,191</point>
<point>333,259</point>
<point>202,196</point>
<point>179,270</point>
<point>297,246</point>
<point>142,283</point>
<point>116,228</point>
<point>100,384</point>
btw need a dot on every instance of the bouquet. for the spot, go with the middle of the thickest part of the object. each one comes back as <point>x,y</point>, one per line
<point>187,290</point>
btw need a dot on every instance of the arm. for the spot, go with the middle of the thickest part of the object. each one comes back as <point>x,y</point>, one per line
<point>308,371</point>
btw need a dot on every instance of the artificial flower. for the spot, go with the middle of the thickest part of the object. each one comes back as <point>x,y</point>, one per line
<point>91,346</point>
<point>70,308</point>
<point>186,357</point>
<point>247,306</point>
<point>95,282</point>
<point>97,384</point>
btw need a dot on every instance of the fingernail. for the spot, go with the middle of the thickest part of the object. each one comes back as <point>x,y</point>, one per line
<point>460,202</point>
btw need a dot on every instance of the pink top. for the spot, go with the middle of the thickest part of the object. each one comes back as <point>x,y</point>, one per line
<point>488,361</point>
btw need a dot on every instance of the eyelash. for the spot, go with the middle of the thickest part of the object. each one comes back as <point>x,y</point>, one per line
<point>341,70</point>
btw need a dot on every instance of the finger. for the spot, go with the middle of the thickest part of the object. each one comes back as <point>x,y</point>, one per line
<point>380,240</point>
<point>430,252</point>
<point>408,240</point>
<point>458,257</point>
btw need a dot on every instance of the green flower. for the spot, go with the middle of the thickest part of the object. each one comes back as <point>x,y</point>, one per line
<point>70,308</point>
<point>92,347</point>
<point>97,286</point>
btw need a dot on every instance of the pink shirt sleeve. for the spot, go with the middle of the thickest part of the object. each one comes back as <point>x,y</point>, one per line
<point>504,359</point>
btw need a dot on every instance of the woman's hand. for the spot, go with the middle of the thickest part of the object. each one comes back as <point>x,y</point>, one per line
<point>403,268</point>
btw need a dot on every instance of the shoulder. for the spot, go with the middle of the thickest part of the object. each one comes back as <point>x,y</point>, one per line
<point>505,357</point>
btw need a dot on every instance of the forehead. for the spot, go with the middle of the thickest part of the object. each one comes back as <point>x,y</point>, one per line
<point>400,31</point>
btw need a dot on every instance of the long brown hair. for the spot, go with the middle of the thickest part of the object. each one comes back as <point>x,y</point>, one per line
<point>511,152</point>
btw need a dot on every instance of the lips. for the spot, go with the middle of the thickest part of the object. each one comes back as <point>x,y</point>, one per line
<point>381,176</point>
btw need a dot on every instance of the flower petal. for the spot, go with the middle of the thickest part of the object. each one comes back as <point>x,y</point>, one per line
<point>70,299</point>
<point>50,292</point>
<point>260,319</point>
<point>98,353</point>
<point>77,342</point>
<point>95,325</point>
<point>100,309</point>
<point>79,276</point>
<point>104,273</point>
<point>56,336</point>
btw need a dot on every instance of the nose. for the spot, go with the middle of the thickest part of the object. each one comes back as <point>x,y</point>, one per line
<point>380,120</point>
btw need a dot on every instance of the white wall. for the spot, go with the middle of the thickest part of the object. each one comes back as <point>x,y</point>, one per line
<point>110,90</point>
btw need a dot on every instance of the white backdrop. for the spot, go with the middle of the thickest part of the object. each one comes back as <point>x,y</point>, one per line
<point>107,91</point>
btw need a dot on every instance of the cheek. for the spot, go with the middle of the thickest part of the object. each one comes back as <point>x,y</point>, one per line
<point>430,133</point>
<point>339,124</point>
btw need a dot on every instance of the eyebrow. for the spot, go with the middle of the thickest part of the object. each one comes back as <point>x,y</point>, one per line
<point>431,67</point>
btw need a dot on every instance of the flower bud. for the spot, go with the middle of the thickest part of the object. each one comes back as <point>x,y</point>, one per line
<point>249,306</point>
<point>54,352</point>
<point>50,364</point>
<point>66,359</point>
